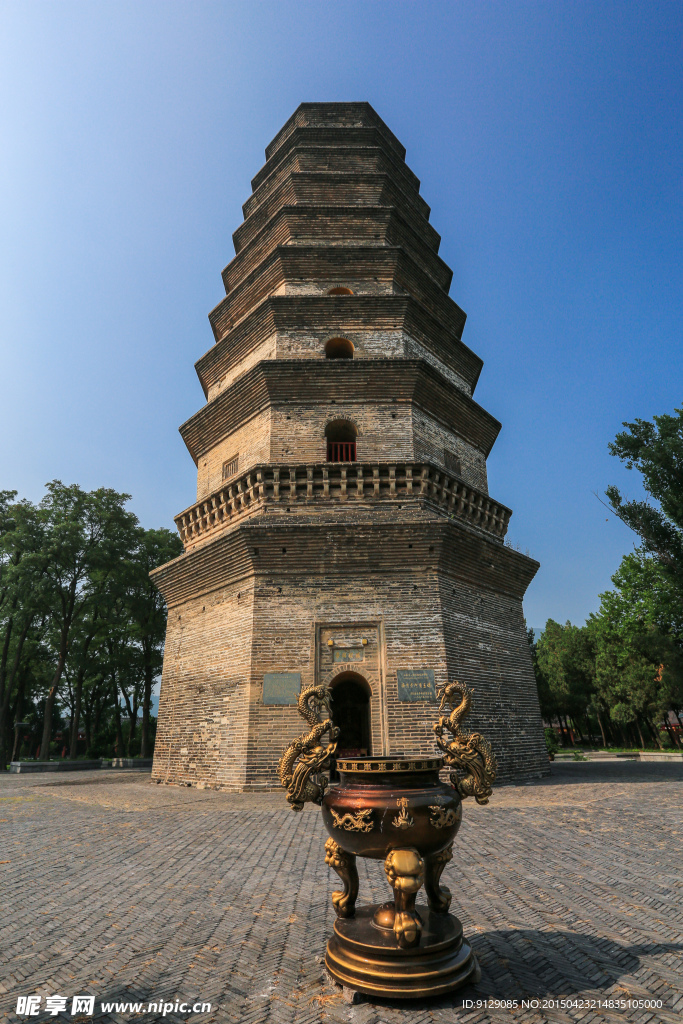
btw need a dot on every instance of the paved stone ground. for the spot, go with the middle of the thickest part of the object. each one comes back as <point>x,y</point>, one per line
<point>569,888</point>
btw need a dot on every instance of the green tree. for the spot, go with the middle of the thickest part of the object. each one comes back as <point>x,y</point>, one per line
<point>637,634</point>
<point>77,605</point>
<point>655,449</point>
<point>565,675</point>
<point>148,612</point>
<point>88,535</point>
<point>22,597</point>
<point>135,630</point>
<point>81,665</point>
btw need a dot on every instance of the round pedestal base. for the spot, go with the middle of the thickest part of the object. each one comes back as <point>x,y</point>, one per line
<point>362,956</point>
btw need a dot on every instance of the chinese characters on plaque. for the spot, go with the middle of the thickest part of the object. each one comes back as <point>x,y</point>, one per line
<point>281,687</point>
<point>416,684</point>
<point>345,654</point>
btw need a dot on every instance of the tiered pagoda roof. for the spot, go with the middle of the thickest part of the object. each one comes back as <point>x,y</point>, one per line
<point>336,242</point>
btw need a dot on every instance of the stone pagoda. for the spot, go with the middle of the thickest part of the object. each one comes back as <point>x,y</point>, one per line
<point>343,531</point>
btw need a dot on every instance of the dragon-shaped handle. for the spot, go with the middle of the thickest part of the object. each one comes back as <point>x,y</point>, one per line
<point>468,754</point>
<point>305,758</point>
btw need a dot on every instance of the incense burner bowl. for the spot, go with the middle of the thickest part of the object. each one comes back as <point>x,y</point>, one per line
<point>387,803</point>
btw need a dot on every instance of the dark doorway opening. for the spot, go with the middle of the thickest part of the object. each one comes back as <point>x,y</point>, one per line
<point>351,712</point>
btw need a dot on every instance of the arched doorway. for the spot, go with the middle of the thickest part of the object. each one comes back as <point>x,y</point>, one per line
<point>351,712</point>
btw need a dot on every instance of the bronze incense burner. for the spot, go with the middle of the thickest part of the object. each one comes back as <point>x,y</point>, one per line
<point>395,809</point>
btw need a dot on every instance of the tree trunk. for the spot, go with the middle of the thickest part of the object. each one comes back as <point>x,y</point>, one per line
<point>642,741</point>
<point>609,730</point>
<point>16,743</point>
<point>5,655</point>
<point>650,728</point>
<point>88,730</point>
<point>672,734</point>
<point>117,721</point>
<point>99,707</point>
<point>21,686</point>
<point>146,702</point>
<point>8,682</point>
<point>78,696</point>
<point>44,754</point>
<point>69,615</point>
<point>132,723</point>
<point>654,732</point>
<point>602,729</point>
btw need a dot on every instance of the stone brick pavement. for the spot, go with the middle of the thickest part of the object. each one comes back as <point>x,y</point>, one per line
<point>569,888</point>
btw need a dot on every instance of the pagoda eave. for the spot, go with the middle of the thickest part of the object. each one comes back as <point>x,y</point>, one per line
<point>314,158</point>
<point>279,546</point>
<point>365,270</point>
<point>343,315</point>
<point>325,382</point>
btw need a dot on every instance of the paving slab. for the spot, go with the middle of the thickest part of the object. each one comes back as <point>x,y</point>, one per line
<point>569,889</point>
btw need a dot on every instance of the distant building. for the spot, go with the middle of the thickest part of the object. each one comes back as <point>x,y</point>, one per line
<point>343,530</point>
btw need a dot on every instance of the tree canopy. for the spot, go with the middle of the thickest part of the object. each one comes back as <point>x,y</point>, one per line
<point>623,669</point>
<point>81,624</point>
<point>655,449</point>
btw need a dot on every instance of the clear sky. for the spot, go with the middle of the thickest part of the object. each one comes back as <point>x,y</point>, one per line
<point>547,137</point>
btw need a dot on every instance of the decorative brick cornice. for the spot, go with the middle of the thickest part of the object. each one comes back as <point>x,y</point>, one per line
<point>331,225</point>
<point>339,483</point>
<point>392,266</point>
<point>336,188</point>
<point>317,382</point>
<point>340,315</point>
<point>338,137</point>
<point>329,160</point>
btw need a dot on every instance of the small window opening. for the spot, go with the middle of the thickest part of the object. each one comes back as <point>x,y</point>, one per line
<point>341,441</point>
<point>339,348</point>
<point>452,462</point>
<point>230,467</point>
<point>340,291</point>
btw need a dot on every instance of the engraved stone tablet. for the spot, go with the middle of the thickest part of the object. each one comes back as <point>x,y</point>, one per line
<point>416,684</point>
<point>281,687</point>
<point>348,654</point>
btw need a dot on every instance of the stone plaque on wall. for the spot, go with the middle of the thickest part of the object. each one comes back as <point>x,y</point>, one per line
<point>416,684</point>
<point>281,687</point>
<point>348,654</point>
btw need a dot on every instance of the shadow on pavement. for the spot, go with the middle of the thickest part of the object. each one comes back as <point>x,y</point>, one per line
<point>523,963</point>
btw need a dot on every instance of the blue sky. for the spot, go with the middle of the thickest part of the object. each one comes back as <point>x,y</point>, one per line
<point>547,137</point>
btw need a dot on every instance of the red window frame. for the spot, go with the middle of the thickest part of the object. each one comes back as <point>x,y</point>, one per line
<point>341,451</point>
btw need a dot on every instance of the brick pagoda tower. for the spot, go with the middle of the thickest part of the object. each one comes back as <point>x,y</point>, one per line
<point>343,531</point>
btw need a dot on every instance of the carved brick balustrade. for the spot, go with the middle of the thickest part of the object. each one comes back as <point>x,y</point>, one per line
<point>340,482</point>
